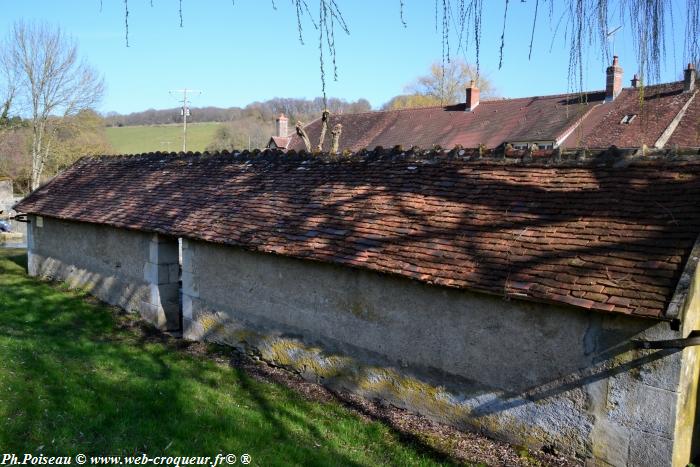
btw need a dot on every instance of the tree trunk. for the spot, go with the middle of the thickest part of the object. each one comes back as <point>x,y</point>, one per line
<point>335,140</point>
<point>37,159</point>
<point>302,134</point>
<point>324,127</point>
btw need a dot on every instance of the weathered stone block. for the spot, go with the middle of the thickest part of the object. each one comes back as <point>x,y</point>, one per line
<point>192,330</point>
<point>173,273</point>
<point>150,272</point>
<point>610,442</point>
<point>188,259</point>
<point>629,404</point>
<point>189,286</point>
<point>153,314</point>
<point>186,306</point>
<point>649,450</point>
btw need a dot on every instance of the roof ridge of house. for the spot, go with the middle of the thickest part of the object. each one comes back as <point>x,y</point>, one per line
<point>578,157</point>
<point>482,101</point>
<point>495,100</point>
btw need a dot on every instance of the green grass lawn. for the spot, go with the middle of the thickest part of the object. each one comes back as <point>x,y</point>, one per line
<point>75,379</point>
<point>150,138</point>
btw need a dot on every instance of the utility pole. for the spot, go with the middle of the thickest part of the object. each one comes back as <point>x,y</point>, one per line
<point>184,111</point>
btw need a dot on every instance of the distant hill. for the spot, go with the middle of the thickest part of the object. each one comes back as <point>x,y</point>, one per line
<point>295,109</point>
<point>151,138</point>
<point>214,128</point>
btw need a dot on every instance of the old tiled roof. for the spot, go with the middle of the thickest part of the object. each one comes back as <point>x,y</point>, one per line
<point>609,237</point>
<point>572,120</point>
<point>687,134</point>
<point>655,108</point>
<point>491,123</point>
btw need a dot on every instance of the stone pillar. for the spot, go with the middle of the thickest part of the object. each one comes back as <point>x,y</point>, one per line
<point>191,329</point>
<point>32,268</point>
<point>161,271</point>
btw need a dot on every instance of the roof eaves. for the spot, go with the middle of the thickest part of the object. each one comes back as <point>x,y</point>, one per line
<point>683,291</point>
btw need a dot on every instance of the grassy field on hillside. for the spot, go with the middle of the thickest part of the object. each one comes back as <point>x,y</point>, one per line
<point>148,138</point>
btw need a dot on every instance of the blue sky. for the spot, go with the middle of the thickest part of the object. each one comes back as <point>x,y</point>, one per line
<point>237,54</point>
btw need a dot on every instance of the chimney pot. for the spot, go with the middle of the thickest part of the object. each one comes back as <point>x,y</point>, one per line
<point>636,82</point>
<point>472,96</point>
<point>613,80</point>
<point>690,76</point>
<point>281,125</point>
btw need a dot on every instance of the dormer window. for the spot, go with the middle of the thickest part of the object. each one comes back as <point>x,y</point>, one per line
<point>627,119</point>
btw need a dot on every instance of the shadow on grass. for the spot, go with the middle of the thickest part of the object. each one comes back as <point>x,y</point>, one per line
<point>72,382</point>
<point>16,255</point>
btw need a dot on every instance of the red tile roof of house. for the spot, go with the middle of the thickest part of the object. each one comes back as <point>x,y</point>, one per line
<point>491,123</point>
<point>595,235</point>
<point>654,110</point>
<point>687,134</point>
<point>281,142</point>
<point>572,120</point>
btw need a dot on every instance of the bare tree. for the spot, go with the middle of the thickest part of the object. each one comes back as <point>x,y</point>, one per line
<point>8,91</point>
<point>50,81</point>
<point>443,85</point>
<point>446,84</point>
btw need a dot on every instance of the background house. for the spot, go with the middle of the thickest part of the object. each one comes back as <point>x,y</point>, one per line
<point>498,295</point>
<point>282,137</point>
<point>662,116</point>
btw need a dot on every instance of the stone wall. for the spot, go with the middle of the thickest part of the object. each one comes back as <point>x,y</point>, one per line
<point>133,270</point>
<point>536,374</point>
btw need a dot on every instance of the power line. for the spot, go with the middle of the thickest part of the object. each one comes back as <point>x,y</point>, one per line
<point>185,111</point>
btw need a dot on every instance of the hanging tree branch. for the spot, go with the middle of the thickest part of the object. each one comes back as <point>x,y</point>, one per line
<point>126,20</point>
<point>586,23</point>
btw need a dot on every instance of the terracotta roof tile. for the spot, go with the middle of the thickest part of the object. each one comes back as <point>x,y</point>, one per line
<point>574,120</point>
<point>687,133</point>
<point>654,109</point>
<point>281,142</point>
<point>599,237</point>
<point>491,123</point>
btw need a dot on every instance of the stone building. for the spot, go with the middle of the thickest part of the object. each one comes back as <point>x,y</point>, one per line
<point>511,296</point>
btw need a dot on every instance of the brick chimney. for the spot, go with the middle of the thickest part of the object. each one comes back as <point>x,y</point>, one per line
<point>281,125</point>
<point>690,75</point>
<point>472,96</point>
<point>636,82</point>
<point>613,80</point>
